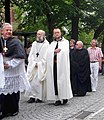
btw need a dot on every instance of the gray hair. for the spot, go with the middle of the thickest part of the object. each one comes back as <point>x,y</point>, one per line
<point>41,31</point>
<point>80,42</point>
<point>5,24</point>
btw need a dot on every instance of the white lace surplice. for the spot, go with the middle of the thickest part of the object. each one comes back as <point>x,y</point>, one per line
<point>2,80</point>
<point>15,77</point>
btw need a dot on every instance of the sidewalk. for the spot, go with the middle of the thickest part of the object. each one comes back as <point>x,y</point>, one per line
<point>77,108</point>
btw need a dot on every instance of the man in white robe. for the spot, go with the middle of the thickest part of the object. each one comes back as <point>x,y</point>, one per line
<point>36,69</point>
<point>58,70</point>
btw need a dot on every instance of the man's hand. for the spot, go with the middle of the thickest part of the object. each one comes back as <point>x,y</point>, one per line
<point>6,66</point>
<point>36,65</point>
<point>100,67</point>
<point>57,50</point>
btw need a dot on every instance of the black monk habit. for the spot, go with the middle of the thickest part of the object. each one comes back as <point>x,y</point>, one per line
<point>80,64</point>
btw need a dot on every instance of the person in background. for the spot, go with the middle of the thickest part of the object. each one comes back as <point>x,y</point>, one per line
<point>72,47</point>
<point>58,70</point>
<point>103,64</point>
<point>81,82</point>
<point>72,44</point>
<point>36,69</point>
<point>14,72</point>
<point>96,55</point>
<point>27,50</point>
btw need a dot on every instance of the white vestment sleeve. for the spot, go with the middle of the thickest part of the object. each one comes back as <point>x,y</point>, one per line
<point>2,78</point>
<point>14,62</point>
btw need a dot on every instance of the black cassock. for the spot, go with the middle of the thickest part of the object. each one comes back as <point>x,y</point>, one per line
<point>80,72</point>
<point>1,45</point>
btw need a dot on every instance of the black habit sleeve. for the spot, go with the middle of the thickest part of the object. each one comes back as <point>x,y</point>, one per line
<point>1,45</point>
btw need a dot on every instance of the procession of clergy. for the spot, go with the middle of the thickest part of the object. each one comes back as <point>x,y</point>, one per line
<point>56,71</point>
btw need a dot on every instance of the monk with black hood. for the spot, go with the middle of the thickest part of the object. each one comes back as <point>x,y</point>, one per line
<point>81,83</point>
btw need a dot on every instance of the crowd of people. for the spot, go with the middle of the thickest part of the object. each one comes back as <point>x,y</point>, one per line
<point>56,71</point>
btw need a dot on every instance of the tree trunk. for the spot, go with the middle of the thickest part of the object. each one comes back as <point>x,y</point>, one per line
<point>103,45</point>
<point>50,28</point>
<point>99,30</point>
<point>7,11</point>
<point>75,21</point>
<point>74,29</point>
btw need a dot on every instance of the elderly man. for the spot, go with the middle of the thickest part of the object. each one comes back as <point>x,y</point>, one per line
<point>96,55</point>
<point>81,83</point>
<point>14,72</point>
<point>36,69</point>
<point>58,70</point>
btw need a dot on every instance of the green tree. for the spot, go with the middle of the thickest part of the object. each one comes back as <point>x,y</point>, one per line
<point>80,17</point>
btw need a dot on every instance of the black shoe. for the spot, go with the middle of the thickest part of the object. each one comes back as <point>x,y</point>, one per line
<point>31,100</point>
<point>81,95</point>
<point>65,101</point>
<point>1,117</point>
<point>57,103</point>
<point>14,114</point>
<point>39,101</point>
<point>11,114</point>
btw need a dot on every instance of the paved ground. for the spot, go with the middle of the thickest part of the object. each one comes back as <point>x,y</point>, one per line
<point>89,107</point>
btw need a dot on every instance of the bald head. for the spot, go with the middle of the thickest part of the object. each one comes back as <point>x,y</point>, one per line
<point>94,43</point>
<point>40,35</point>
<point>42,32</point>
<point>79,44</point>
<point>57,34</point>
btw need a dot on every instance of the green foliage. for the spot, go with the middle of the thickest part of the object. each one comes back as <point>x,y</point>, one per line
<point>31,15</point>
<point>93,14</point>
<point>86,37</point>
<point>1,12</point>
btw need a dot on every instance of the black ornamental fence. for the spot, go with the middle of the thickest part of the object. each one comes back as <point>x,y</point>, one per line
<point>25,35</point>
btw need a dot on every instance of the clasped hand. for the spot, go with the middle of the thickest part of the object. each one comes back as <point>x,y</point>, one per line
<point>57,50</point>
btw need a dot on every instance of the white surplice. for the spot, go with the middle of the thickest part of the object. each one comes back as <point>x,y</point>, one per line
<point>37,76</point>
<point>15,76</point>
<point>2,79</point>
<point>63,71</point>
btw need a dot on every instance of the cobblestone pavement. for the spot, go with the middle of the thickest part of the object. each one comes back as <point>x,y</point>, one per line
<point>89,107</point>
